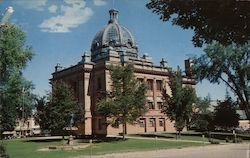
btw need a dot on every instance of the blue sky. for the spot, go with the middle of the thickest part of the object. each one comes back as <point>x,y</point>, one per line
<point>60,31</point>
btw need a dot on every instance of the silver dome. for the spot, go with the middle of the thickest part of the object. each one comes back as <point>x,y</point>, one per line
<point>114,35</point>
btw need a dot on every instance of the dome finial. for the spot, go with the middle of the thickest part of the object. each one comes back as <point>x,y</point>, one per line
<point>113,15</point>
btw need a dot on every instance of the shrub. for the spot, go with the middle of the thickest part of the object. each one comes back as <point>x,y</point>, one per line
<point>3,152</point>
<point>214,142</point>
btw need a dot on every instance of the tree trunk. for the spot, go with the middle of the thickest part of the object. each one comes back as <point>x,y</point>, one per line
<point>123,130</point>
<point>63,137</point>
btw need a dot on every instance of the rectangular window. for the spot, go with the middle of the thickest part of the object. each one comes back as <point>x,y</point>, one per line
<point>36,123</point>
<point>161,122</point>
<point>152,122</point>
<point>158,85</point>
<point>149,85</point>
<point>142,124</point>
<point>74,87</point>
<point>151,105</point>
<point>159,105</point>
<point>140,80</point>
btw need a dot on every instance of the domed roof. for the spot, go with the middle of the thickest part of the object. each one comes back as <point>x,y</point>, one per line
<point>114,35</point>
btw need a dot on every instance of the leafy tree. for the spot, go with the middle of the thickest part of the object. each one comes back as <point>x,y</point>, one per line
<point>14,56</point>
<point>178,105</point>
<point>58,112</point>
<point>16,100</point>
<point>227,64</point>
<point>225,114</point>
<point>125,103</point>
<point>223,21</point>
<point>42,113</point>
<point>202,118</point>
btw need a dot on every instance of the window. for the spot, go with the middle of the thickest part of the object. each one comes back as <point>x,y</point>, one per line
<point>161,122</point>
<point>74,87</point>
<point>36,123</point>
<point>159,105</point>
<point>28,124</point>
<point>152,122</point>
<point>158,85</point>
<point>116,124</point>
<point>140,80</point>
<point>151,105</point>
<point>150,85</point>
<point>142,124</point>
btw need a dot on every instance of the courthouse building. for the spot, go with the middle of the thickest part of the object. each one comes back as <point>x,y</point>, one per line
<point>115,44</point>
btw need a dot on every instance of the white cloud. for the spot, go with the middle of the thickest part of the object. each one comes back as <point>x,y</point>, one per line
<point>32,4</point>
<point>99,2</point>
<point>73,14</point>
<point>52,9</point>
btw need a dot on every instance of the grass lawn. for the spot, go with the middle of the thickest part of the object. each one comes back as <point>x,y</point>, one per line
<point>192,136</point>
<point>197,136</point>
<point>24,148</point>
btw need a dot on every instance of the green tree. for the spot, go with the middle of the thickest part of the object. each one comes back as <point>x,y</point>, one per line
<point>227,64</point>
<point>202,119</point>
<point>225,114</point>
<point>125,103</point>
<point>223,21</point>
<point>16,101</point>
<point>42,113</point>
<point>57,113</point>
<point>178,105</point>
<point>14,56</point>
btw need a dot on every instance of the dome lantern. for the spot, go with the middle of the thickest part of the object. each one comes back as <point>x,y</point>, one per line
<point>113,13</point>
<point>113,35</point>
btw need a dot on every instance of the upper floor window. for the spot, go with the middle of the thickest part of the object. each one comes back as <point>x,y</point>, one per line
<point>159,105</point>
<point>151,105</point>
<point>149,84</point>
<point>158,85</point>
<point>140,80</point>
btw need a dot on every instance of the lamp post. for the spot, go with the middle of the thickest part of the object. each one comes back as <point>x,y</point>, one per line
<point>6,16</point>
<point>23,118</point>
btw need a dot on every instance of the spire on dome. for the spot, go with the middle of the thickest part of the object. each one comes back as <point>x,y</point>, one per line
<point>113,15</point>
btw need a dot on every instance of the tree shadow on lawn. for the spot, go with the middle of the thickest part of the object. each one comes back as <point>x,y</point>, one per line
<point>94,139</point>
<point>44,140</point>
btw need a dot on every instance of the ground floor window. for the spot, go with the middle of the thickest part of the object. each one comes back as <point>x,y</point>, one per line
<point>152,122</point>
<point>142,123</point>
<point>161,122</point>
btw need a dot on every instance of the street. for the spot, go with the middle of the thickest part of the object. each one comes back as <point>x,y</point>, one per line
<point>211,151</point>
